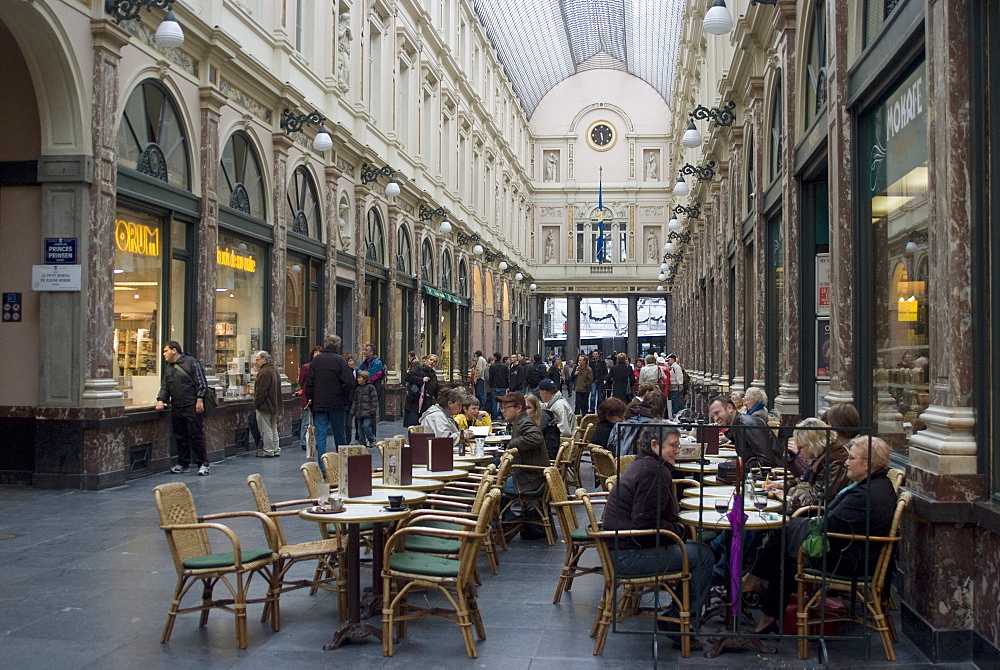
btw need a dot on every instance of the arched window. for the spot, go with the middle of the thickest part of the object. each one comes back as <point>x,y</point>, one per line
<point>777,122</point>
<point>241,180</point>
<point>463,279</point>
<point>427,262</point>
<point>751,174</point>
<point>374,238</point>
<point>404,251</point>
<point>446,273</point>
<point>303,204</point>
<point>816,64</point>
<point>151,136</point>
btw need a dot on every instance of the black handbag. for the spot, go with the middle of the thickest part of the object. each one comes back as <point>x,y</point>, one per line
<point>727,472</point>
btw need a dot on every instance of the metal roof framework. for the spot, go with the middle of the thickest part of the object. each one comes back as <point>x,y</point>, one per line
<point>542,42</point>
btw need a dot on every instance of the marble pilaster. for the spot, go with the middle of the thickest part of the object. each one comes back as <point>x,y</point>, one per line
<point>632,347</point>
<point>208,228</point>
<point>279,249</point>
<point>332,174</point>
<point>390,352</point>
<point>572,325</point>
<point>362,201</point>
<point>99,384</point>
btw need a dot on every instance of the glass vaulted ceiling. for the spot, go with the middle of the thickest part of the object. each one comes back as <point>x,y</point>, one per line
<point>542,42</point>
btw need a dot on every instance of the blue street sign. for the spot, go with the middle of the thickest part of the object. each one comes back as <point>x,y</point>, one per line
<point>60,251</point>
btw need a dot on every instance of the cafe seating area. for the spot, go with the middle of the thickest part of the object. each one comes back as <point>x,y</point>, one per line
<point>447,592</point>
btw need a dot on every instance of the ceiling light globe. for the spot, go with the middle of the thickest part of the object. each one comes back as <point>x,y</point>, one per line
<point>718,20</point>
<point>691,138</point>
<point>169,35</point>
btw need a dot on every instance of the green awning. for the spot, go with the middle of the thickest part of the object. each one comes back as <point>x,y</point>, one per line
<point>430,290</point>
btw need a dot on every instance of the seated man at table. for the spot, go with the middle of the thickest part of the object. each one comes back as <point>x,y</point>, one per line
<point>753,439</point>
<point>644,498</point>
<point>527,438</point>
<point>847,514</point>
<point>439,416</point>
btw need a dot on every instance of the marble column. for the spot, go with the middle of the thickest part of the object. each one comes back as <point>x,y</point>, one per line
<point>332,175</point>
<point>99,383</point>
<point>535,343</point>
<point>208,229</point>
<point>279,249</point>
<point>362,201</point>
<point>390,353</point>
<point>787,400</point>
<point>739,285</point>
<point>572,325</point>
<point>633,326</point>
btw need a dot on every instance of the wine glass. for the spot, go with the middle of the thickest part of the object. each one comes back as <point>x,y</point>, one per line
<point>721,505</point>
<point>322,493</point>
<point>760,502</point>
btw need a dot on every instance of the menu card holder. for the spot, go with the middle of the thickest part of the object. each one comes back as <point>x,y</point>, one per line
<point>441,454</point>
<point>405,466</point>
<point>390,461</point>
<point>359,475</point>
<point>345,455</point>
<point>420,442</point>
<point>709,436</point>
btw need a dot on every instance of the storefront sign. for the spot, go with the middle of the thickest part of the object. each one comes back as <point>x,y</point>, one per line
<point>908,308</point>
<point>137,238</point>
<point>823,348</point>
<point>231,259</point>
<point>55,277</point>
<point>60,251</point>
<point>11,307</point>
<point>430,290</point>
<point>823,284</point>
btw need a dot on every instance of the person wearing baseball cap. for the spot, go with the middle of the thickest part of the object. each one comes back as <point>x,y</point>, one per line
<point>553,400</point>
<point>527,438</point>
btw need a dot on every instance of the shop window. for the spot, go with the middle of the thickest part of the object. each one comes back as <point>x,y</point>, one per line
<point>240,283</point>
<point>374,238</point>
<point>615,247</point>
<point>777,122</point>
<point>138,272</point>
<point>427,262</point>
<point>875,14</point>
<point>463,280</point>
<point>404,251</point>
<point>152,138</point>
<point>446,274</point>
<point>303,204</point>
<point>241,180</point>
<point>816,75</point>
<point>894,225</point>
<point>751,175</point>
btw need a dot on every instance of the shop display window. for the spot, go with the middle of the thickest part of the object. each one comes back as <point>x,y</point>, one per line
<point>240,280</point>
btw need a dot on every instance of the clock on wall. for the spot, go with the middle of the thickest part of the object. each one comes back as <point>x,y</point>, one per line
<point>601,135</point>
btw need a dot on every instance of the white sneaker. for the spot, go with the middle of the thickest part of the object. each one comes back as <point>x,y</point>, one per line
<point>203,470</point>
<point>179,469</point>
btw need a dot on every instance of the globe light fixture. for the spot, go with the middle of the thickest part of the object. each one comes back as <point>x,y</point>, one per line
<point>503,266</point>
<point>718,20</point>
<point>533,286</point>
<point>445,227</point>
<point>662,276</point>
<point>322,142</point>
<point>478,250</point>
<point>518,276</point>
<point>681,188</point>
<point>669,247</point>
<point>674,224</point>
<point>660,288</point>
<point>392,188</point>
<point>169,35</point>
<point>664,267</point>
<point>691,138</point>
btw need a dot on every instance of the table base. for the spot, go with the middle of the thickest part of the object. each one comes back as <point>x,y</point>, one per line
<point>719,645</point>
<point>353,632</point>
<point>371,604</point>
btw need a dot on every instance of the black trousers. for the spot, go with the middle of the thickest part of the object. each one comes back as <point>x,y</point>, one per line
<point>187,425</point>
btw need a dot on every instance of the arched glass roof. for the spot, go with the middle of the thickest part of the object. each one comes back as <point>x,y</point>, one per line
<point>542,42</point>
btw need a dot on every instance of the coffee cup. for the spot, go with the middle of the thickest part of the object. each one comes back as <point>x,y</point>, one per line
<point>336,503</point>
<point>395,502</point>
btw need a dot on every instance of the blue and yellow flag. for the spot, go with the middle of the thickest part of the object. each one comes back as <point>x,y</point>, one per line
<point>600,216</point>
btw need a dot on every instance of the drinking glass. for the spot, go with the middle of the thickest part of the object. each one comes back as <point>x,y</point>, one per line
<point>760,502</point>
<point>721,505</point>
<point>322,493</point>
<point>480,446</point>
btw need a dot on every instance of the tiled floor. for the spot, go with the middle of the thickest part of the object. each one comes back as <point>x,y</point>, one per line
<point>87,580</point>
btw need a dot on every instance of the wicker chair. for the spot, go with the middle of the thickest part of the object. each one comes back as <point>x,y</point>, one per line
<point>314,477</point>
<point>581,442</point>
<point>465,507</point>
<point>577,540</point>
<point>870,591</point>
<point>676,584</point>
<point>328,552</point>
<point>604,464</point>
<point>624,462</point>
<point>537,500</point>
<point>588,420</point>
<point>187,536</point>
<point>406,571</point>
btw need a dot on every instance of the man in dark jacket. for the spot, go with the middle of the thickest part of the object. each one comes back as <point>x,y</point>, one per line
<point>534,373</point>
<point>527,438</point>
<point>752,437</point>
<point>600,368</point>
<point>329,386</point>
<point>499,381</point>
<point>267,403</point>
<point>518,371</point>
<point>184,387</point>
<point>644,499</point>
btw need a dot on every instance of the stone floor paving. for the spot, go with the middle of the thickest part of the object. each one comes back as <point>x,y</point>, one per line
<point>86,578</point>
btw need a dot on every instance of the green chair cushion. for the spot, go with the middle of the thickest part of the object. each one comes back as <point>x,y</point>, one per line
<point>429,544</point>
<point>365,527</point>
<point>422,564</point>
<point>580,535</point>
<point>225,559</point>
<point>446,525</point>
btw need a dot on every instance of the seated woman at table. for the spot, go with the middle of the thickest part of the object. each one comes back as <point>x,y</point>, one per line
<point>471,415</point>
<point>439,416</point>
<point>826,474</point>
<point>609,412</point>
<point>847,514</point>
<point>644,498</point>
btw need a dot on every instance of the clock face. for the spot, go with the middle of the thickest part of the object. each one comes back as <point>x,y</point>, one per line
<point>601,136</point>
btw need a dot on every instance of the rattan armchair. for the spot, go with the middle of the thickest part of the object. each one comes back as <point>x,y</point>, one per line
<point>194,560</point>
<point>870,591</point>
<point>328,552</point>
<point>580,443</point>
<point>576,538</point>
<point>676,584</point>
<point>406,571</point>
<point>464,507</point>
<point>536,500</point>
<point>604,463</point>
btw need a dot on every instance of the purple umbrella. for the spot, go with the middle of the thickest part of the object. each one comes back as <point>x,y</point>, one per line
<point>736,517</point>
<point>420,401</point>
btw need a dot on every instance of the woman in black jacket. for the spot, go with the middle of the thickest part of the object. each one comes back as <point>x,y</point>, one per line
<point>421,378</point>
<point>620,379</point>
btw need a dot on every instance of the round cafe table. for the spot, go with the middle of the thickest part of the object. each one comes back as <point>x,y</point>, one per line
<point>381,497</point>
<point>351,516</point>
<point>443,475</point>
<point>416,485</point>
<point>497,439</point>
<point>711,491</point>
<point>709,518</point>
<point>472,461</point>
<point>694,467</point>
<point>708,503</point>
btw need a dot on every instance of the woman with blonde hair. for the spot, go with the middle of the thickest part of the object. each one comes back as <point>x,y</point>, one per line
<point>826,474</point>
